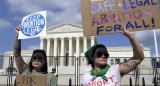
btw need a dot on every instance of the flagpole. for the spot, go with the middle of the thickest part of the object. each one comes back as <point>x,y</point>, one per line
<point>156,49</point>
<point>155,42</point>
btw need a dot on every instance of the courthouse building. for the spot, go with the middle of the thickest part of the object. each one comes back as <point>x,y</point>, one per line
<point>65,46</point>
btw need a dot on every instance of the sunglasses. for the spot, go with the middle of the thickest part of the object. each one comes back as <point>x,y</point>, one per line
<point>39,59</point>
<point>99,54</point>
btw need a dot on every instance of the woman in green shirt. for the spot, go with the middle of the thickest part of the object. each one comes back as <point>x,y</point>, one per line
<point>37,64</point>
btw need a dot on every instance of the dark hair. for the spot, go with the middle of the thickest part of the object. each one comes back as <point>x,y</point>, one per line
<point>44,68</point>
<point>98,46</point>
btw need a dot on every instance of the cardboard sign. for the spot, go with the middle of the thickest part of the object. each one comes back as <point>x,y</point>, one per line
<point>33,25</point>
<point>31,80</point>
<point>109,16</point>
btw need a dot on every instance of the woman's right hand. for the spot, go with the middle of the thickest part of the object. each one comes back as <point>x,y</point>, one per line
<point>17,29</point>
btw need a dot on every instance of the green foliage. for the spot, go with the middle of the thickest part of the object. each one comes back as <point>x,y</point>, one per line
<point>11,69</point>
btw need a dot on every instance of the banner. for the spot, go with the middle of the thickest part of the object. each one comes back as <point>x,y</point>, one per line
<point>108,16</point>
<point>33,25</point>
<point>31,80</point>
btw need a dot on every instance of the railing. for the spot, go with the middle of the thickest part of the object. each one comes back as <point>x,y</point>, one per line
<point>78,62</point>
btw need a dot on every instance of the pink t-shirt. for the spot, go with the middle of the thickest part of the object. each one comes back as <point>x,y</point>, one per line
<point>113,75</point>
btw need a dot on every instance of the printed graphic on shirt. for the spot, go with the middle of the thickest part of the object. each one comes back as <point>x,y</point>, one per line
<point>110,82</point>
<point>113,76</point>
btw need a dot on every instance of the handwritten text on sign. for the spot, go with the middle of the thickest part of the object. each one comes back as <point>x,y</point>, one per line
<point>109,16</point>
<point>31,80</point>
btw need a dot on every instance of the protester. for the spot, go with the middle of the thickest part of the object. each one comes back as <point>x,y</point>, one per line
<point>103,74</point>
<point>37,64</point>
<point>54,72</point>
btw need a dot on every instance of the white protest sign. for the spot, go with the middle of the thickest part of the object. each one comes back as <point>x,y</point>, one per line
<point>33,25</point>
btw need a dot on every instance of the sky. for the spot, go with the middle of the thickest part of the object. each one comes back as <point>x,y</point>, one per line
<point>58,11</point>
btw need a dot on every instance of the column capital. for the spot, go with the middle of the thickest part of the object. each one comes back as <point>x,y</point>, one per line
<point>77,37</point>
<point>92,37</point>
<point>55,38</point>
<point>84,38</point>
<point>70,38</point>
<point>48,38</point>
<point>41,38</point>
<point>61,37</point>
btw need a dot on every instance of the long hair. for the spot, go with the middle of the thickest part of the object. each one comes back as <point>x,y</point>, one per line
<point>44,68</point>
<point>92,55</point>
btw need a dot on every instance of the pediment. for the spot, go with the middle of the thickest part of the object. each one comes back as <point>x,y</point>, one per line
<point>65,27</point>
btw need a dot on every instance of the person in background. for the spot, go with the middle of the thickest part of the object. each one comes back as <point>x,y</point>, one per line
<point>54,72</point>
<point>37,64</point>
<point>103,74</point>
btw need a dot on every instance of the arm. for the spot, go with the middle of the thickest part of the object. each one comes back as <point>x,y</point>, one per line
<point>17,51</point>
<point>138,55</point>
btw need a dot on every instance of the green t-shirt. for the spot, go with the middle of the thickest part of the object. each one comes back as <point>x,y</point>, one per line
<point>51,79</point>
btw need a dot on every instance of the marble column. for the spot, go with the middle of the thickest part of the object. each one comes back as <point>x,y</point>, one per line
<point>78,54</point>
<point>70,51</point>
<point>92,40</point>
<point>78,46</point>
<point>62,52</point>
<point>84,44</point>
<point>52,60</point>
<point>42,43</point>
<point>48,50</point>
<point>48,46</point>
<point>55,46</point>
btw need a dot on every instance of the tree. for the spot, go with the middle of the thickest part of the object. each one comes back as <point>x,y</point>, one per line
<point>11,69</point>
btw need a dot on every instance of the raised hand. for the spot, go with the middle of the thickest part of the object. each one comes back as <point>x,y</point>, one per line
<point>127,33</point>
<point>17,29</point>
